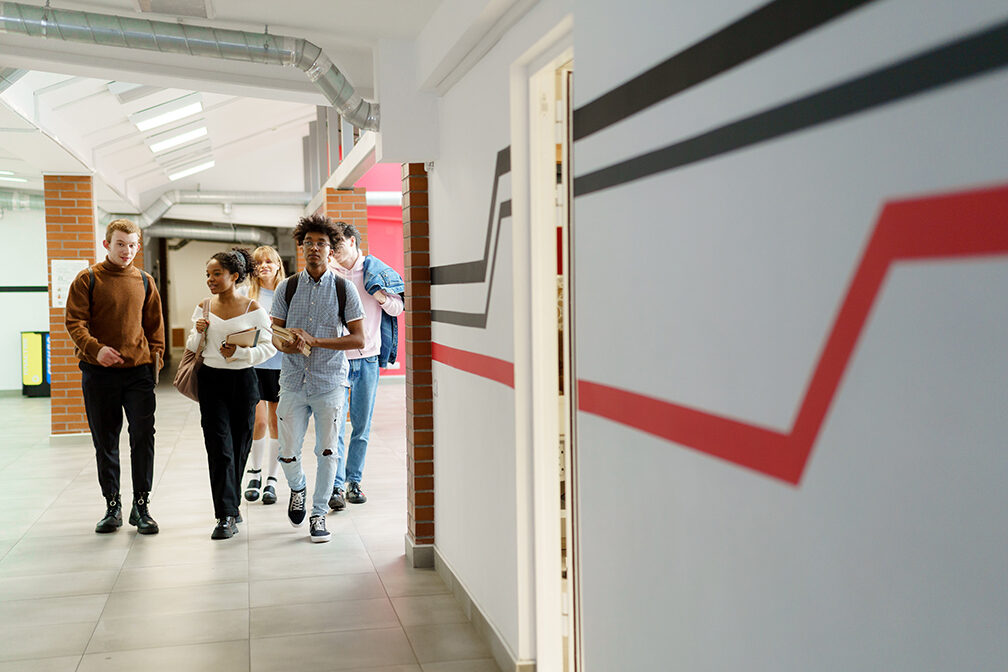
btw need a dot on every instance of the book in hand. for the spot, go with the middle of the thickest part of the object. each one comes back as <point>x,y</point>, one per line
<point>287,336</point>
<point>246,338</point>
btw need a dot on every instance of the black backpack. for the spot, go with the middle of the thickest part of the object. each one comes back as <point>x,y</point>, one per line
<point>291,287</point>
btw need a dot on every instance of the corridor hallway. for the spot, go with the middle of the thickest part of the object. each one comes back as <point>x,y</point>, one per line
<point>267,599</point>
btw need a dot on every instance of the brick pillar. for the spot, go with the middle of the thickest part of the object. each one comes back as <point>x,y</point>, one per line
<point>70,234</point>
<point>349,206</point>
<point>419,383</point>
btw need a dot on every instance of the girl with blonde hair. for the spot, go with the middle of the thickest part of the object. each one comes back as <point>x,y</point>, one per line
<point>265,446</point>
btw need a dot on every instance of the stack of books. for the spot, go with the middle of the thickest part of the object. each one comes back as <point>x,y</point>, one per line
<point>287,337</point>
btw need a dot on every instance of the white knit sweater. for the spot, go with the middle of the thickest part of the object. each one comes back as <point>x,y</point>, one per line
<point>219,329</point>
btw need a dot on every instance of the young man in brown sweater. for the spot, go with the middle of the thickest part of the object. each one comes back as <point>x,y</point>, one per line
<point>113,315</point>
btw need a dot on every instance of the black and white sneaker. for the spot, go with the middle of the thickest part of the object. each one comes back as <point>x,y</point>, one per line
<point>269,492</point>
<point>319,533</point>
<point>296,508</point>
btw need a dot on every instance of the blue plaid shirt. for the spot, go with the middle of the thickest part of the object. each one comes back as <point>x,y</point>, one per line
<point>315,308</point>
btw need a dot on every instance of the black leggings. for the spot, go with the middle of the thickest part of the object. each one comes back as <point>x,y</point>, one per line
<point>227,400</point>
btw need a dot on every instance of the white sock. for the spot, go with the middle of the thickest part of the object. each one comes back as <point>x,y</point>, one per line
<point>257,453</point>
<point>272,463</point>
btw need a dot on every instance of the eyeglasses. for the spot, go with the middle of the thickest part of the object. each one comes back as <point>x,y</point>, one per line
<point>308,244</point>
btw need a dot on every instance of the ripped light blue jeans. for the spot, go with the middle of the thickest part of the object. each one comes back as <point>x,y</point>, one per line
<point>293,411</point>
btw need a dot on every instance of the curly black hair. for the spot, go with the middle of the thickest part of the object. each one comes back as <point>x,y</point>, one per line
<point>316,224</point>
<point>237,260</point>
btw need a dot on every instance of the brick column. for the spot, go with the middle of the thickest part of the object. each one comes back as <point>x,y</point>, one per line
<point>349,206</point>
<point>419,387</point>
<point>70,234</point>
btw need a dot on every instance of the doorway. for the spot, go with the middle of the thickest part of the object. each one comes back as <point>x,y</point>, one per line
<point>553,419</point>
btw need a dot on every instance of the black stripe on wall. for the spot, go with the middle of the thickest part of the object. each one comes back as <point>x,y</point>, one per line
<point>764,29</point>
<point>953,62</point>
<point>20,290</point>
<point>477,320</point>
<point>475,271</point>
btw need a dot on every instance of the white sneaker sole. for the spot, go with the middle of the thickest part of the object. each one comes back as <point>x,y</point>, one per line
<point>319,540</point>
<point>293,524</point>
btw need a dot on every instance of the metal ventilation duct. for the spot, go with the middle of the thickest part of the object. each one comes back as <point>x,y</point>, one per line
<point>216,232</point>
<point>177,38</point>
<point>165,201</point>
<point>8,76</point>
<point>21,200</point>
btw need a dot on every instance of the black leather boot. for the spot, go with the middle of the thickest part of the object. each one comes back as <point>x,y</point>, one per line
<point>113,516</point>
<point>140,516</point>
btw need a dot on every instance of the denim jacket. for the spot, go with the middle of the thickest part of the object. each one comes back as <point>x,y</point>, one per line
<point>379,275</point>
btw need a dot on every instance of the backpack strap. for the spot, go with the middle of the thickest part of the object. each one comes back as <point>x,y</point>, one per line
<point>91,284</point>
<point>341,298</point>
<point>290,288</point>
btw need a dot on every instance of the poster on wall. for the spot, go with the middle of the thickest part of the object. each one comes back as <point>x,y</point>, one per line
<point>63,273</point>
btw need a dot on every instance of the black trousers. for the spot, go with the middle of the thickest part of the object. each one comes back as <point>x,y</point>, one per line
<point>227,400</point>
<point>107,393</point>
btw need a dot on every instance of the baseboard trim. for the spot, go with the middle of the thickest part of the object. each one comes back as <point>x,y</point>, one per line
<point>66,439</point>
<point>502,654</point>
<point>419,556</point>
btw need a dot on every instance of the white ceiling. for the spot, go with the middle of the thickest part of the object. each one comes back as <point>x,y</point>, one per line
<point>62,116</point>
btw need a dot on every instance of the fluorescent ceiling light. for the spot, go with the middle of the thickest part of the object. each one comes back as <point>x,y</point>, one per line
<point>179,139</point>
<point>6,172</point>
<point>173,110</point>
<point>191,171</point>
<point>13,179</point>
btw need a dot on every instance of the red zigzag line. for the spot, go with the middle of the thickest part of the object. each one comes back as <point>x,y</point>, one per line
<point>966,224</point>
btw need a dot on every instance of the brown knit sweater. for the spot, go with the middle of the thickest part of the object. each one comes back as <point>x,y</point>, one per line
<point>116,315</point>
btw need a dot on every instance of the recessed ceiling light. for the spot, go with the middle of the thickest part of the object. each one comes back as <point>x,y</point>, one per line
<point>12,179</point>
<point>179,139</point>
<point>165,113</point>
<point>191,171</point>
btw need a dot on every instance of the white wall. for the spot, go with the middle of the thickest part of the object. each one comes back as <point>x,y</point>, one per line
<point>476,467</point>
<point>187,279</point>
<point>889,553</point>
<point>23,234</point>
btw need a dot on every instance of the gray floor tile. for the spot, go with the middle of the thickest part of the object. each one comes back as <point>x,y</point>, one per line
<point>72,609</point>
<point>332,651</point>
<point>152,631</point>
<point>294,619</point>
<point>455,641</point>
<point>212,657</point>
<point>30,640</point>
<point>61,664</point>
<point>336,587</point>
<point>483,665</point>
<point>175,576</point>
<point>184,599</point>
<point>428,609</point>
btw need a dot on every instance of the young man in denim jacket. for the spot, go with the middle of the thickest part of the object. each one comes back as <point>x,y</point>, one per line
<point>381,290</point>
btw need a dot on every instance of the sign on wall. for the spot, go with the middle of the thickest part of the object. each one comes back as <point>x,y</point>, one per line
<point>63,273</point>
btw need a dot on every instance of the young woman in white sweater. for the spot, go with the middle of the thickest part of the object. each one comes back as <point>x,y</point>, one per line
<point>228,388</point>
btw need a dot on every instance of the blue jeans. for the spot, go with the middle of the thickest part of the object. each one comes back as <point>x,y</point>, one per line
<point>363,381</point>
<point>293,411</point>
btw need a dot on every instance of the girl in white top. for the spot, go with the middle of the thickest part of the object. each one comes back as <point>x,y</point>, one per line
<point>269,271</point>
<point>228,389</point>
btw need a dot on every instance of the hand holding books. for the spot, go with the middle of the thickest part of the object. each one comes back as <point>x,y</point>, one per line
<point>291,339</point>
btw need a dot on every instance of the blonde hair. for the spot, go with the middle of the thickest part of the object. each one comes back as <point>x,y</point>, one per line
<point>261,253</point>
<point>124,225</point>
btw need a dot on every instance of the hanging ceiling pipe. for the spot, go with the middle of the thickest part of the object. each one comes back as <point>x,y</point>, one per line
<point>176,38</point>
<point>21,200</point>
<point>216,232</point>
<point>8,76</point>
<point>165,201</point>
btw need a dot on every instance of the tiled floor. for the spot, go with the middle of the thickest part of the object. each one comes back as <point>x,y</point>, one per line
<point>267,599</point>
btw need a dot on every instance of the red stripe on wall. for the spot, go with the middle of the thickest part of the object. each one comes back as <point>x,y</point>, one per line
<point>471,362</point>
<point>968,224</point>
